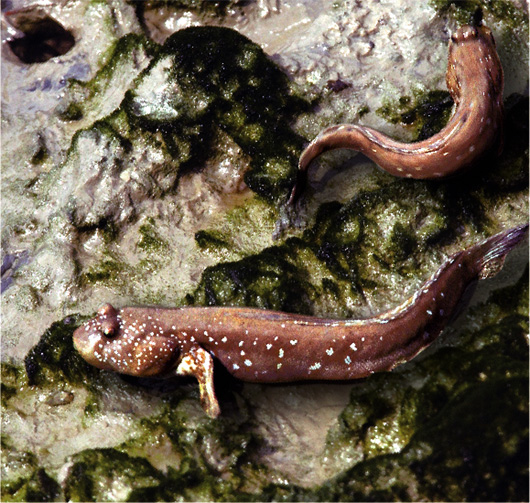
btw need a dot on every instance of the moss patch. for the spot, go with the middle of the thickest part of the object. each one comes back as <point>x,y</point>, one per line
<point>464,11</point>
<point>425,113</point>
<point>123,58</point>
<point>213,77</point>
<point>54,359</point>
<point>22,478</point>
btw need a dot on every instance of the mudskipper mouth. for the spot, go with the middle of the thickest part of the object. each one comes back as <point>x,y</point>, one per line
<point>89,345</point>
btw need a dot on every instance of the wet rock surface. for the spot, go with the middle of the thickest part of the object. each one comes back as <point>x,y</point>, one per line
<point>149,167</point>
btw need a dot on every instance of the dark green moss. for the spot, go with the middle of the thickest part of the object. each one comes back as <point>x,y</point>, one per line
<point>41,155</point>
<point>269,280</point>
<point>510,173</point>
<point>125,50</point>
<point>12,379</point>
<point>464,11</point>
<point>515,295</point>
<point>54,359</point>
<point>105,271</point>
<point>210,240</point>
<point>137,480</point>
<point>427,113</point>
<point>73,112</point>
<point>38,487</point>
<point>346,243</point>
<point>150,240</point>
<point>216,78</point>
<point>128,474</point>
<point>363,111</point>
<point>22,478</point>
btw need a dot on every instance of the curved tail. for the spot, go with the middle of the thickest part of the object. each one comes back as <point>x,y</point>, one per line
<point>334,137</point>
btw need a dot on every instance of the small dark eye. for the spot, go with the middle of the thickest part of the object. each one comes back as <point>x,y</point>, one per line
<point>109,327</point>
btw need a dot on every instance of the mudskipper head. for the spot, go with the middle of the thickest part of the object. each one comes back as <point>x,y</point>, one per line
<point>472,51</point>
<point>119,340</point>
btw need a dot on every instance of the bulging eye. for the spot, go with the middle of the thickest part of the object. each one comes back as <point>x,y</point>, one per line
<point>108,320</point>
<point>109,327</point>
<point>107,310</point>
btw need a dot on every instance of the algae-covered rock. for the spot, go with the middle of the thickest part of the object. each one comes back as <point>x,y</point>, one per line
<point>148,166</point>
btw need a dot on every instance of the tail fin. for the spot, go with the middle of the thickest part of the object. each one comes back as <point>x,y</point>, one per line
<point>492,252</point>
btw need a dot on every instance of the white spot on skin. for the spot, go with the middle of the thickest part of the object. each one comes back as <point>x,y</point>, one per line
<point>224,339</point>
<point>353,346</point>
<point>429,312</point>
<point>280,353</point>
<point>347,360</point>
<point>315,366</point>
<point>294,342</point>
<point>269,346</point>
<point>248,363</point>
<point>279,366</point>
<point>241,343</point>
<point>329,351</point>
<point>235,366</point>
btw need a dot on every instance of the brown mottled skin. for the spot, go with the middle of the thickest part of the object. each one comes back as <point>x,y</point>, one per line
<point>269,346</point>
<point>475,81</point>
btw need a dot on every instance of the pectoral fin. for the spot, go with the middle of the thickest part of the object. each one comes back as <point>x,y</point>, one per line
<point>199,363</point>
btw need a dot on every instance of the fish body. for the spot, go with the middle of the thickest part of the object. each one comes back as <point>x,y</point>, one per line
<point>264,346</point>
<point>475,81</point>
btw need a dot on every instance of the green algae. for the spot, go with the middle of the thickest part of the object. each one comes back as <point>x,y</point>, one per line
<point>201,82</point>
<point>343,255</point>
<point>132,478</point>
<point>425,113</point>
<point>343,252</point>
<point>54,360</point>
<point>107,270</point>
<point>211,240</point>
<point>22,478</point>
<point>39,486</point>
<point>107,474</point>
<point>150,240</point>
<point>126,56</point>
<point>213,77</point>
<point>348,250</point>
<point>464,11</point>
